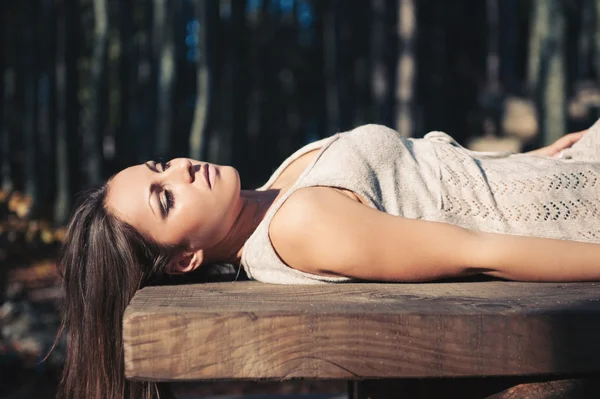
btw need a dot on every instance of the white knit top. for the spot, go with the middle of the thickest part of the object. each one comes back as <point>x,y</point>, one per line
<point>435,178</point>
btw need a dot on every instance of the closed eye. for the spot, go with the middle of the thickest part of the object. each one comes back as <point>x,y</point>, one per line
<point>169,201</point>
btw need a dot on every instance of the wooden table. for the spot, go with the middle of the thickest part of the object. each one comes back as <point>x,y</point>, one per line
<point>250,330</point>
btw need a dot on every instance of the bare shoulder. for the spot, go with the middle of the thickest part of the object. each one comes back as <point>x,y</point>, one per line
<point>322,231</point>
<point>305,231</point>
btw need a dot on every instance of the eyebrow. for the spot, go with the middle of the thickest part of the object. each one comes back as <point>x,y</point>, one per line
<point>153,188</point>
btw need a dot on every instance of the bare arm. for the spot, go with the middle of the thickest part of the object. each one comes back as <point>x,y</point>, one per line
<point>321,231</point>
<point>539,259</point>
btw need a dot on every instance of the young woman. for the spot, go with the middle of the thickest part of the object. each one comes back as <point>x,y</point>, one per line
<point>361,205</point>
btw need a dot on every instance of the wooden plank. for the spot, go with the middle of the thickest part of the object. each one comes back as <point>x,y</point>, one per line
<point>251,330</point>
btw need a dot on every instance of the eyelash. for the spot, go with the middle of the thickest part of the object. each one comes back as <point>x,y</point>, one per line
<point>169,201</point>
<point>169,197</point>
<point>163,165</point>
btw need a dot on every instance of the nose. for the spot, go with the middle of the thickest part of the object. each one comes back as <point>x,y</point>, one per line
<point>181,169</point>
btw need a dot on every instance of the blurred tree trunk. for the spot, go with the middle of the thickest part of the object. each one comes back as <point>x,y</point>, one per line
<point>330,20</point>
<point>124,143</point>
<point>493,38</point>
<point>380,82</point>
<point>4,75</point>
<point>46,115</point>
<point>434,78</point>
<point>345,48</point>
<point>164,58</point>
<point>406,68</point>
<point>361,76</point>
<point>8,67</point>
<point>585,38</point>
<point>239,80</point>
<point>257,21</point>
<point>268,135</point>
<point>143,100</point>
<point>296,132</point>
<point>491,102</point>
<point>30,61</point>
<point>538,31</point>
<point>546,71</point>
<point>114,89</point>
<point>66,108</point>
<point>510,58</point>
<point>221,147</point>
<point>206,15</point>
<point>95,112</point>
<point>8,89</point>
<point>6,92</point>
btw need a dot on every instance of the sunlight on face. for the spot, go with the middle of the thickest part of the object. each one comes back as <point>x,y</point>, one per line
<point>179,202</point>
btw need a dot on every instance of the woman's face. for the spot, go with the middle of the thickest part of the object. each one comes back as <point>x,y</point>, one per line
<point>179,202</point>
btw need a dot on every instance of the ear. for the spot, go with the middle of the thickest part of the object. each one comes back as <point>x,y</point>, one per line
<point>185,262</point>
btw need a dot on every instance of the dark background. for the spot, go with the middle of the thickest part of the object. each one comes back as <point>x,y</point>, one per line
<point>88,87</point>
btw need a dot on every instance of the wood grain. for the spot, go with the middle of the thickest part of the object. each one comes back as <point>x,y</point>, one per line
<point>251,330</point>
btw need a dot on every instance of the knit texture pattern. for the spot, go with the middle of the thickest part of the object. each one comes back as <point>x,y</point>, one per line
<point>437,179</point>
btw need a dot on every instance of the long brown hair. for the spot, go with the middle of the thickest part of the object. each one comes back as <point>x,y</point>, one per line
<point>103,262</point>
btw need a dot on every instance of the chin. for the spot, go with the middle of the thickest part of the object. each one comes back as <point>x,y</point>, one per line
<point>231,176</point>
<point>229,184</point>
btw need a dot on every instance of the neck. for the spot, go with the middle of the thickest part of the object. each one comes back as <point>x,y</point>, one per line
<point>254,206</point>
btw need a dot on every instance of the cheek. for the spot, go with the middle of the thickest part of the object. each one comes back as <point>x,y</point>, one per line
<point>202,217</point>
<point>196,217</point>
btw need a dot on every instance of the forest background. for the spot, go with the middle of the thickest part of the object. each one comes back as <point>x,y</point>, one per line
<point>88,87</point>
